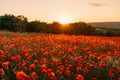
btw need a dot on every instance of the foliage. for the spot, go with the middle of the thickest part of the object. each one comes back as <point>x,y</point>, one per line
<point>81,28</point>
<point>35,26</point>
<point>107,31</point>
<point>20,24</point>
<point>13,23</point>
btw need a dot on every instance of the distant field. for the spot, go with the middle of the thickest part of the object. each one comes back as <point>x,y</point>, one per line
<point>35,56</point>
<point>113,25</point>
<point>107,27</point>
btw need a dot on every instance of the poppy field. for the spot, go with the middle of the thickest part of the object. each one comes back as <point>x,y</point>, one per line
<point>58,57</point>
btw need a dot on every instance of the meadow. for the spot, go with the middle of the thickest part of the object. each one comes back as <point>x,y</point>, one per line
<point>35,56</point>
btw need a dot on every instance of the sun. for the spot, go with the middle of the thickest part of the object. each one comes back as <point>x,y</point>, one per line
<point>64,19</point>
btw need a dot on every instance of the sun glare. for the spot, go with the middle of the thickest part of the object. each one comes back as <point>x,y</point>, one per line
<point>64,19</point>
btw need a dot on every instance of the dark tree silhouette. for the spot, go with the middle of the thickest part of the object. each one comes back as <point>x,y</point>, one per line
<point>21,24</point>
<point>12,23</point>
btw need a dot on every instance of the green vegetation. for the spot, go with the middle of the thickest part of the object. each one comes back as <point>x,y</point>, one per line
<point>21,24</point>
<point>107,31</point>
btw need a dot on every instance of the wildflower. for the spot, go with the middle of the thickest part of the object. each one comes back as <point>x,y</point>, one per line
<point>5,64</point>
<point>32,66</point>
<point>1,52</point>
<point>49,70</point>
<point>70,66</point>
<point>43,66</point>
<point>22,75</point>
<point>51,75</point>
<point>1,71</point>
<point>16,58</point>
<point>94,78</point>
<point>58,72</point>
<point>12,46</point>
<point>78,68</point>
<point>34,75</point>
<point>44,71</point>
<point>79,77</point>
<point>22,64</point>
<point>36,61</point>
<point>67,72</point>
<point>86,70</point>
<point>54,78</point>
<point>111,73</point>
<point>61,67</point>
<point>119,78</point>
<point>58,62</point>
<point>102,64</point>
<point>66,62</point>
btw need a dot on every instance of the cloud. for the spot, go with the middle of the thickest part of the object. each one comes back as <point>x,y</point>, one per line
<point>96,4</point>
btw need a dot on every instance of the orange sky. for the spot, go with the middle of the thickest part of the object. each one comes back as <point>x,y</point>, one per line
<point>55,10</point>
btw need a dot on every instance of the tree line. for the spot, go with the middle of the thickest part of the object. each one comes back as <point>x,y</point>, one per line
<point>9,22</point>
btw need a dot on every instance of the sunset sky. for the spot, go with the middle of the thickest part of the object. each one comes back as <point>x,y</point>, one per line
<point>55,10</point>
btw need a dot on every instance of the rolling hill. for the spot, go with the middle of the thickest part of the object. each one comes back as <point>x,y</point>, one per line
<point>113,25</point>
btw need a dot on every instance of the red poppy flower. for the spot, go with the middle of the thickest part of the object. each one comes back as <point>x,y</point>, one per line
<point>32,66</point>
<point>58,72</point>
<point>22,75</point>
<point>16,58</point>
<point>1,71</point>
<point>5,64</point>
<point>67,72</point>
<point>51,75</point>
<point>118,78</point>
<point>1,52</point>
<point>34,75</point>
<point>79,77</point>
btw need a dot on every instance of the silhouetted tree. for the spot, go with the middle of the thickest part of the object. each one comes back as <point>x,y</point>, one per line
<point>36,26</point>
<point>12,23</point>
<point>81,28</point>
<point>55,27</point>
<point>20,23</point>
